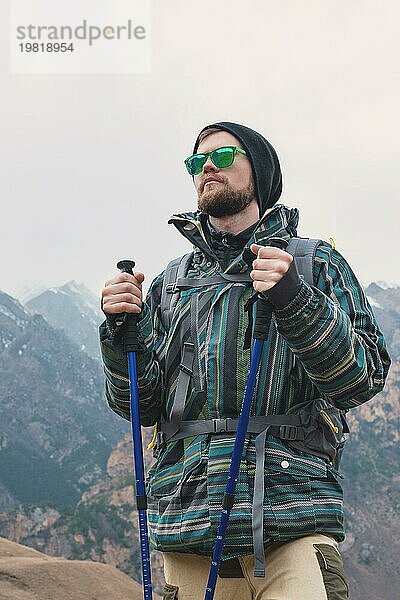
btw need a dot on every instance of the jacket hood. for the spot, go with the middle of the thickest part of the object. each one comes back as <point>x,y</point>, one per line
<point>278,221</point>
<point>263,158</point>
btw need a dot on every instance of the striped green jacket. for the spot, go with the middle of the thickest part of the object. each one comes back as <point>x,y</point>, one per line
<point>325,343</point>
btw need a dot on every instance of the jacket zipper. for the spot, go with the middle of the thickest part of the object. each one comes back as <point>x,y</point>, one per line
<point>327,418</point>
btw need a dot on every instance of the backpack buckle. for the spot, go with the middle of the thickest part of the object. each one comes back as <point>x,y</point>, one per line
<point>288,432</point>
<point>221,425</point>
<point>160,442</point>
<point>171,288</point>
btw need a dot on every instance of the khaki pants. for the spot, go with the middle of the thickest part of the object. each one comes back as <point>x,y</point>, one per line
<point>308,568</point>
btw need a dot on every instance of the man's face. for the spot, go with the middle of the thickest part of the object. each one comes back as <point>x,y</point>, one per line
<point>223,192</point>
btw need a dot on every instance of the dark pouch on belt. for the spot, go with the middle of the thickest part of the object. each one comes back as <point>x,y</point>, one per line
<point>324,427</point>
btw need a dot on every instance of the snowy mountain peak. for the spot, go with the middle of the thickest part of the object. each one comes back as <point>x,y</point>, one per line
<point>73,308</point>
<point>382,285</point>
<point>387,285</point>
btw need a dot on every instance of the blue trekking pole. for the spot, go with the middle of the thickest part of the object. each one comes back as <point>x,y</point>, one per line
<point>131,345</point>
<point>263,320</point>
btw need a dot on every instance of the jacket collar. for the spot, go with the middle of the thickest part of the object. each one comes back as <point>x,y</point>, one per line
<point>277,221</point>
<point>224,238</point>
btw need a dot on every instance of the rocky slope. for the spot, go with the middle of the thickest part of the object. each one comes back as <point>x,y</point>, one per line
<point>26,574</point>
<point>372,494</point>
<point>103,526</point>
<point>56,432</point>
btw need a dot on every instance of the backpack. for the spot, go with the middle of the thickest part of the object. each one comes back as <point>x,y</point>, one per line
<point>329,423</point>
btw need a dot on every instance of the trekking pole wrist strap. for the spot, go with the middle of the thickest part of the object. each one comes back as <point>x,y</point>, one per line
<point>263,318</point>
<point>131,333</point>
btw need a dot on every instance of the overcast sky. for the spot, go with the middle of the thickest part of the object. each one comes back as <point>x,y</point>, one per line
<point>92,165</point>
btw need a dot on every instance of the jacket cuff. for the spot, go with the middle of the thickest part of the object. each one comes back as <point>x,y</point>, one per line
<point>113,322</point>
<point>113,329</point>
<point>283,292</point>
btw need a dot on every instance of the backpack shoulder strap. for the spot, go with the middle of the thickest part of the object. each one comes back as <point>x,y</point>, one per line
<point>177,268</point>
<point>303,251</point>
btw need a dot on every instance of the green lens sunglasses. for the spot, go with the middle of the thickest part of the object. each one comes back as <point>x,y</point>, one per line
<point>221,158</point>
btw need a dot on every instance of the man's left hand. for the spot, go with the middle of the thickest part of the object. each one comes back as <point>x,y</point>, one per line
<point>269,267</point>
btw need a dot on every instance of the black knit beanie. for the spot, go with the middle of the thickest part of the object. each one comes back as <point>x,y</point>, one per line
<point>264,161</point>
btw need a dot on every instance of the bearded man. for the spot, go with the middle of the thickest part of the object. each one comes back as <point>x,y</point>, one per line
<point>324,354</point>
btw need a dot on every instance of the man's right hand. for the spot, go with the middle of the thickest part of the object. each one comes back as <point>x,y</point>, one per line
<point>123,294</point>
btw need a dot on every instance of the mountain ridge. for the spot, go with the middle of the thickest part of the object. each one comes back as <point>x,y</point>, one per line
<point>100,523</point>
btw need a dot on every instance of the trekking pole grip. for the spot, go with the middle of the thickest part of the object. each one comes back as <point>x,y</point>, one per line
<point>263,306</point>
<point>131,339</point>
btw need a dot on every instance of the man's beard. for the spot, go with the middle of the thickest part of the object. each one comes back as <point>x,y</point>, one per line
<point>225,201</point>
